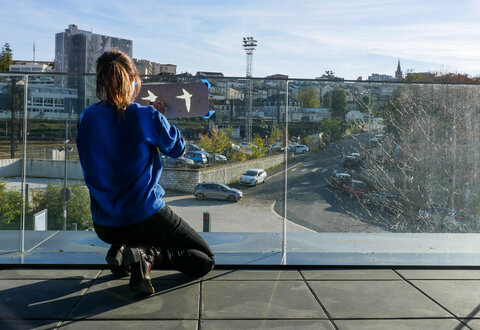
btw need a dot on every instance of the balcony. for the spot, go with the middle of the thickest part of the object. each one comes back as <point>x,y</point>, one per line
<point>297,250</point>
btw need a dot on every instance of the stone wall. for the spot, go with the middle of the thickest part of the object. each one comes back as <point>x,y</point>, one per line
<point>182,180</point>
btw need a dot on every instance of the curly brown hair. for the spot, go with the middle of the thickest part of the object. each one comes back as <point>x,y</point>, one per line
<point>115,74</point>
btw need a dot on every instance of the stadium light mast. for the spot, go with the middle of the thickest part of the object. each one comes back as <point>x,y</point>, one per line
<point>249,44</point>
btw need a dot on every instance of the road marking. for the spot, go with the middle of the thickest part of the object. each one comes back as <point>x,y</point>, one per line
<point>315,169</point>
<point>305,183</point>
<point>325,170</point>
<point>304,169</point>
<point>293,169</point>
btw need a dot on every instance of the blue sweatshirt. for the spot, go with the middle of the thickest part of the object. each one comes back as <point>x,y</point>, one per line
<point>120,162</point>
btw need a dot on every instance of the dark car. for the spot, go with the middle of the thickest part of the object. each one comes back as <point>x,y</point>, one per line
<point>339,179</point>
<point>355,188</point>
<point>217,191</point>
<point>352,162</point>
<point>176,162</point>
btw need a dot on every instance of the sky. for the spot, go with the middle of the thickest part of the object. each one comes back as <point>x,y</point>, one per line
<point>301,38</point>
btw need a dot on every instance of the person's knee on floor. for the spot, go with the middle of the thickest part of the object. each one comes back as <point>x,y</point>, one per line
<point>191,262</point>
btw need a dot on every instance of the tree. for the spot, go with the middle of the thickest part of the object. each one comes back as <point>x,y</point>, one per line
<point>259,149</point>
<point>331,127</point>
<point>216,142</point>
<point>339,102</point>
<point>52,199</point>
<point>309,97</point>
<point>6,56</point>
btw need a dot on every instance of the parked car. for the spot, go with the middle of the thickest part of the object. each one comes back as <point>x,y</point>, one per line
<point>355,188</point>
<point>355,155</point>
<point>194,147</point>
<point>374,142</point>
<point>235,147</point>
<point>247,145</point>
<point>198,157</point>
<point>253,177</point>
<point>339,179</point>
<point>276,146</point>
<point>300,149</point>
<point>352,162</point>
<point>176,162</point>
<point>214,190</point>
<point>220,158</point>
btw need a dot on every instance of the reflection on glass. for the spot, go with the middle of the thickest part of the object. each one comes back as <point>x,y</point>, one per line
<point>363,157</point>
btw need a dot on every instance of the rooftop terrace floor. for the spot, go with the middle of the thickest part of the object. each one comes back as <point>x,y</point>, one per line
<point>331,281</point>
<point>235,298</point>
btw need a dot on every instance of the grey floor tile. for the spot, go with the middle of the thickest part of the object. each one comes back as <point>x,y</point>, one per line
<point>144,324</point>
<point>28,324</point>
<point>422,324</point>
<point>33,273</point>
<point>374,299</point>
<point>460,297</point>
<point>473,323</point>
<point>440,274</point>
<point>114,300</point>
<point>256,274</point>
<point>351,274</point>
<point>166,275</point>
<point>39,299</point>
<point>258,299</point>
<point>267,324</point>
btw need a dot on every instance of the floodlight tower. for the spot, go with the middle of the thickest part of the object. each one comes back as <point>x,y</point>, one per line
<point>249,44</point>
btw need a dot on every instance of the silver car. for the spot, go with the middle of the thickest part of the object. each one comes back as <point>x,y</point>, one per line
<point>253,177</point>
<point>217,191</point>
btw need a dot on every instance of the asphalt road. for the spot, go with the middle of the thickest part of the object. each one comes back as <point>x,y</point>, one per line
<point>311,201</point>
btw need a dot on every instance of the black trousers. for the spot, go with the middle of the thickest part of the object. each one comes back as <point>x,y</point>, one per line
<point>185,250</point>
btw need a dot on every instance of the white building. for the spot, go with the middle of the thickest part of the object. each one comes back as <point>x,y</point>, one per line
<point>30,66</point>
<point>354,115</point>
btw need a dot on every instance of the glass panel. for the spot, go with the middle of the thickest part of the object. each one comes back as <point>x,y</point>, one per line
<point>12,91</point>
<point>389,158</point>
<point>235,139</point>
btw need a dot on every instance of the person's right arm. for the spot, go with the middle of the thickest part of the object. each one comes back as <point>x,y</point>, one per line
<point>166,137</point>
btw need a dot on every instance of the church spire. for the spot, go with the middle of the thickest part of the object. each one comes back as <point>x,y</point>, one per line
<point>398,73</point>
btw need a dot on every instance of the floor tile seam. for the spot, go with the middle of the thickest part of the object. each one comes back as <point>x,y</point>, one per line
<point>327,313</point>
<point>92,319</point>
<point>265,318</point>
<point>200,302</point>
<point>254,280</point>
<point>443,279</point>
<point>84,291</point>
<point>354,280</point>
<point>431,299</point>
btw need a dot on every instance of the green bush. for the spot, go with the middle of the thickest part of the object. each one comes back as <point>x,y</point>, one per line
<point>10,207</point>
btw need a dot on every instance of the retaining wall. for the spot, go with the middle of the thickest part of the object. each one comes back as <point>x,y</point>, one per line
<point>182,180</point>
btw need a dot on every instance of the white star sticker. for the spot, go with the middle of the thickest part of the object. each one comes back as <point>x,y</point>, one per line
<point>151,97</point>
<point>186,96</point>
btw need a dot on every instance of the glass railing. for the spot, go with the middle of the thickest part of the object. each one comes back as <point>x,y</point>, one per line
<point>293,165</point>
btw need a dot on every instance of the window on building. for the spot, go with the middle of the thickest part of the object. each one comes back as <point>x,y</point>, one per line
<point>37,101</point>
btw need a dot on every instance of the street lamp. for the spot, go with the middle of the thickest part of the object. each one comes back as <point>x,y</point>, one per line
<point>66,192</point>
